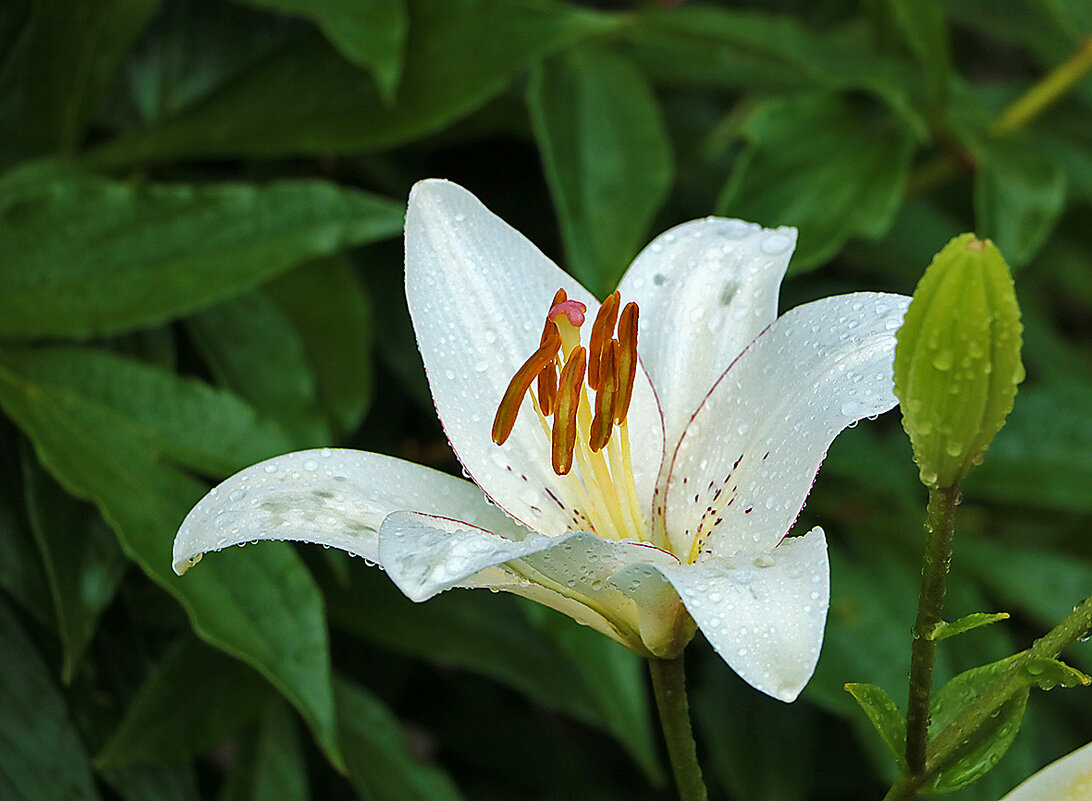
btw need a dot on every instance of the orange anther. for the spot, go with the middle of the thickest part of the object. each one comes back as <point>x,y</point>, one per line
<point>559,297</point>
<point>625,363</point>
<point>603,422</point>
<point>601,333</point>
<point>547,388</point>
<point>521,382</point>
<point>568,401</point>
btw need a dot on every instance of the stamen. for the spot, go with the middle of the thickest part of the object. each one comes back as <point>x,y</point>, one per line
<point>568,402</point>
<point>601,333</point>
<point>521,382</point>
<point>559,297</point>
<point>547,388</point>
<point>626,360</point>
<point>603,423</point>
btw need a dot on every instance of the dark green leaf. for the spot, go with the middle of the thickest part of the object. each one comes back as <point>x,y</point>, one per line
<point>270,766</point>
<point>825,164</point>
<point>330,310</point>
<point>261,606</point>
<point>81,557</point>
<point>616,677</point>
<point>306,98</point>
<point>193,700</point>
<point>945,629</point>
<point>75,51</point>
<point>22,573</point>
<point>606,156</point>
<point>153,782</point>
<point>925,29</point>
<point>1019,193</point>
<point>983,748</point>
<point>883,713</point>
<point>83,255</point>
<point>42,758</point>
<point>381,766</point>
<point>371,33</point>
<point>255,351</point>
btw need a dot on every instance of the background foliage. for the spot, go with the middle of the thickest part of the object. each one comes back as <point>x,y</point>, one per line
<point>200,267</point>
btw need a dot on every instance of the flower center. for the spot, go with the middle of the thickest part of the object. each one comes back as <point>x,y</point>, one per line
<point>587,433</point>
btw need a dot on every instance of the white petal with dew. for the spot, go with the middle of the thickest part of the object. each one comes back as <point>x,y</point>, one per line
<point>478,293</point>
<point>764,615</point>
<point>1066,779</point>
<point>748,458</point>
<point>329,496</point>
<point>425,554</point>
<point>706,289</point>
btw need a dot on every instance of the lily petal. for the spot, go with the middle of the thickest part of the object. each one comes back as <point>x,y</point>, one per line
<point>748,458</point>
<point>706,289</point>
<point>478,293</point>
<point>764,615</point>
<point>329,496</point>
<point>1066,779</point>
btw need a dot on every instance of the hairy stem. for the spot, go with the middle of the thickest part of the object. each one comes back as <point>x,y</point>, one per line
<point>939,529</point>
<point>669,686</point>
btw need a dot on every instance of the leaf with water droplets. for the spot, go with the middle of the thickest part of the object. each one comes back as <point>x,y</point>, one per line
<point>884,715</point>
<point>945,629</point>
<point>957,362</point>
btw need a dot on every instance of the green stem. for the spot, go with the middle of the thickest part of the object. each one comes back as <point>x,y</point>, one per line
<point>669,686</point>
<point>1076,625</point>
<point>939,529</point>
<point>1046,92</point>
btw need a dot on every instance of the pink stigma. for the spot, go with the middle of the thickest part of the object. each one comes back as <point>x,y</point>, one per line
<point>573,311</point>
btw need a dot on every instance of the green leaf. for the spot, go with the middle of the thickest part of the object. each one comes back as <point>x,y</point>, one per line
<point>270,765</point>
<point>381,766</point>
<point>193,700</point>
<point>42,758</point>
<point>1019,194</point>
<point>75,51</point>
<point>829,166</point>
<point>81,557</point>
<point>306,98</point>
<point>883,713</point>
<point>22,573</point>
<point>261,606</point>
<point>945,629</point>
<point>606,156</point>
<point>371,33</point>
<point>327,304</point>
<point>1046,674</point>
<point>153,782</point>
<point>983,748</point>
<point>957,361</point>
<point>255,351</point>
<point>137,255</point>
<point>617,679</point>
<point>923,24</point>
<point>184,419</point>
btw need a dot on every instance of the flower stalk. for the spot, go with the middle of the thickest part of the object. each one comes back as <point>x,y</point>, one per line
<point>669,687</point>
<point>939,530</point>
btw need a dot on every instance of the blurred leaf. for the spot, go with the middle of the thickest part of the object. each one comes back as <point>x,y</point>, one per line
<point>153,782</point>
<point>923,24</point>
<point>747,735</point>
<point>1019,193</point>
<point>42,758</point>
<point>884,715</point>
<point>22,573</point>
<point>305,98</point>
<point>81,557</point>
<point>270,765</point>
<point>74,54</point>
<point>1043,456</point>
<point>606,156</point>
<point>381,765</point>
<point>1042,584</point>
<point>194,699</point>
<point>83,255</point>
<point>261,606</point>
<point>616,677</point>
<point>330,309</point>
<point>945,629</point>
<point>824,164</point>
<point>371,33</point>
<point>253,350</point>
<point>183,419</point>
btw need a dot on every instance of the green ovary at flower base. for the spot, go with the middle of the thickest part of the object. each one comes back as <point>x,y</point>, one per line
<point>672,513</point>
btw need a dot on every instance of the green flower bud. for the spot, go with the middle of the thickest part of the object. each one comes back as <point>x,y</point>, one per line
<point>957,361</point>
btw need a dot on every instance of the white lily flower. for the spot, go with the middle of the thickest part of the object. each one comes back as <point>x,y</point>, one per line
<point>1066,779</point>
<point>638,497</point>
